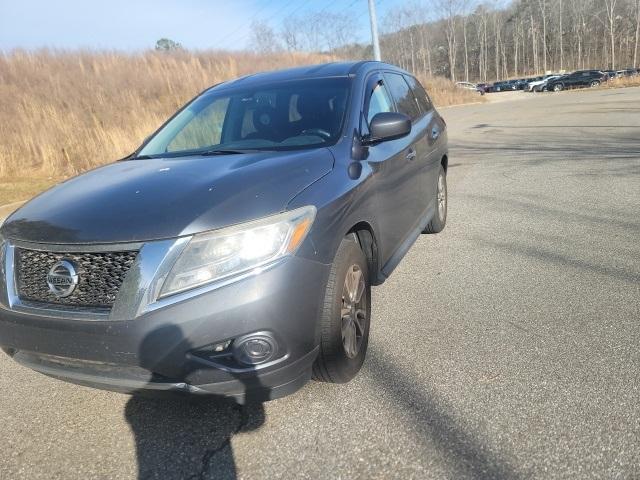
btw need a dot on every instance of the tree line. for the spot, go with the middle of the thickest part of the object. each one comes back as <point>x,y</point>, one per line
<point>477,41</point>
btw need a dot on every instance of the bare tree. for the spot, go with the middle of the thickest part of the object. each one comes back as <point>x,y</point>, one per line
<point>561,34</point>
<point>450,10</point>
<point>543,13</point>
<point>496,39</point>
<point>264,38</point>
<point>465,19</point>
<point>336,29</point>
<point>637,32</point>
<point>291,34</point>
<point>610,6</point>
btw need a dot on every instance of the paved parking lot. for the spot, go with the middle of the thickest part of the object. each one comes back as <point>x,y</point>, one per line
<point>506,347</point>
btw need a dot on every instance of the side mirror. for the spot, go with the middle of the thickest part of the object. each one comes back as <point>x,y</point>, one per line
<point>388,126</point>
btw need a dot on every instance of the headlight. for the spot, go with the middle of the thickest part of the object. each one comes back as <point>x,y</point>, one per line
<point>215,255</point>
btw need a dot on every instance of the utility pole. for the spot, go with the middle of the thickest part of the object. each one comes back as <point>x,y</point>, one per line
<point>374,30</point>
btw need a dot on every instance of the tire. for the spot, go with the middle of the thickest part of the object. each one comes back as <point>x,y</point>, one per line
<point>594,84</point>
<point>336,361</point>
<point>439,220</point>
<point>558,87</point>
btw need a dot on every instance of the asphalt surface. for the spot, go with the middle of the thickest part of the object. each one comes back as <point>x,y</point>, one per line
<point>505,347</point>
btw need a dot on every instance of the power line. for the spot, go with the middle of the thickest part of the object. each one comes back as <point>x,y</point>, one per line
<point>348,7</point>
<point>299,7</point>
<point>238,29</point>
<point>253,18</point>
<point>278,13</point>
<point>237,35</point>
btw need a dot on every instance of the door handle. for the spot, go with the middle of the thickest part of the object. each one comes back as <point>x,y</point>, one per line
<point>435,133</point>
<point>411,154</point>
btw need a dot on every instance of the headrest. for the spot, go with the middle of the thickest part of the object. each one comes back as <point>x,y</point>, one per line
<point>264,119</point>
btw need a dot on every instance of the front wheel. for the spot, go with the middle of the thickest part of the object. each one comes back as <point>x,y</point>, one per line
<point>595,83</point>
<point>558,88</point>
<point>439,220</point>
<point>344,321</point>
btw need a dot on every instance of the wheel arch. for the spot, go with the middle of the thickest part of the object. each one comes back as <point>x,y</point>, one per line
<point>444,161</point>
<point>366,237</point>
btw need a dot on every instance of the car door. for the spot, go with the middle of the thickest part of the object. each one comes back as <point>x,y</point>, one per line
<point>567,81</point>
<point>395,186</point>
<point>584,80</point>
<point>430,143</point>
<point>417,186</point>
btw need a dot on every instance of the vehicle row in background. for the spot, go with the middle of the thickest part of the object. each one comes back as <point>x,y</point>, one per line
<point>551,82</point>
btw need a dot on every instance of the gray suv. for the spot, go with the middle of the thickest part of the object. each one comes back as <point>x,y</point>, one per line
<point>233,253</point>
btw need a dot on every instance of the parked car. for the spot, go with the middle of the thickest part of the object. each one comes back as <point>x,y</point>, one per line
<point>521,84</point>
<point>541,85</point>
<point>527,87</point>
<point>579,79</point>
<point>628,72</point>
<point>233,253</point>
<point>514,84</point>
<point>503,86</point>
<point>467,86</point>
<point>483,88</point>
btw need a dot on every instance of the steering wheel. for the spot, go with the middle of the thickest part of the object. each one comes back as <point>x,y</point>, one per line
<point>319,132</point>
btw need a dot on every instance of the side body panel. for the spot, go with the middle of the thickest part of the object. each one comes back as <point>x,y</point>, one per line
<point>392,195</point>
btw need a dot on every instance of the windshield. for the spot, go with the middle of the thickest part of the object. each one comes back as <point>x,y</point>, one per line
<point>284,116</point>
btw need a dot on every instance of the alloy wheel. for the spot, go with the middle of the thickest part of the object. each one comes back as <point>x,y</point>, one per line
<point>354,311</point>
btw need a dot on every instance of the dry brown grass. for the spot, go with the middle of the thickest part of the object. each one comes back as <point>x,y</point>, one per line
<point>623,82</point>
<point>62,113</point>
<point>444,93</point>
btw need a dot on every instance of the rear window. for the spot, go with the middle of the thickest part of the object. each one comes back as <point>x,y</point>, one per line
<point>420,94</point>
<point>403,95</point>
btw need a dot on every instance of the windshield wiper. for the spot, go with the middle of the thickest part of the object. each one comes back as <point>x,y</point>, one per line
<point>223,151</point>
<point>204,153</point>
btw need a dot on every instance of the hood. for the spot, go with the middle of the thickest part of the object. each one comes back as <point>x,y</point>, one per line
<point>140,200</point>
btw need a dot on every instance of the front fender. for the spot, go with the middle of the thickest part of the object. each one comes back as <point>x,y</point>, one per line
<point>342,203</point>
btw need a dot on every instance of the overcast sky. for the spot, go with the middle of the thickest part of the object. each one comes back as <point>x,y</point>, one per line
<point>138,24</point>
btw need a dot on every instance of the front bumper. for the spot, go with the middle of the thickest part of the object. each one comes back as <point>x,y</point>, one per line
<point>159,347</point>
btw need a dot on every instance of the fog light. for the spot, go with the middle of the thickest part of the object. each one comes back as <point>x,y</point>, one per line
<point>255,349</point>
<point>215,350</point>
<point>221,347</point>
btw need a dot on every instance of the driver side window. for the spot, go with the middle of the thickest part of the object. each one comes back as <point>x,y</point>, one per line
<point>379,102</point>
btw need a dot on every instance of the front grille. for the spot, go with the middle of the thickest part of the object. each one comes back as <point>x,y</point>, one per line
<point>100,275</point>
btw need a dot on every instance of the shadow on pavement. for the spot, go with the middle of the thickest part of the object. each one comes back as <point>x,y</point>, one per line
<point>562,260</point>
<point>190,438</point>
<point>471,458</point>
<point>182,437</point>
